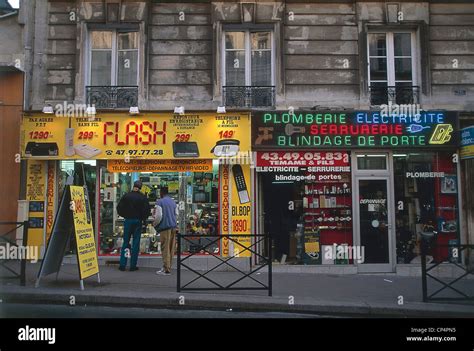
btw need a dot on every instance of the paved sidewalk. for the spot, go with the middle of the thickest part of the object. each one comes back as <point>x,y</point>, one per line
<point>351,295</point>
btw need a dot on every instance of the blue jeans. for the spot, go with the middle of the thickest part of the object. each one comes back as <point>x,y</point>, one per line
<point>132,228</point>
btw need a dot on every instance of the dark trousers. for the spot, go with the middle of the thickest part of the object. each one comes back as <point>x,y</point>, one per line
<point>132,229</point>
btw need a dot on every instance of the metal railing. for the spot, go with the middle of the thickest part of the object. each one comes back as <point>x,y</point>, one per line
<point>104,97</point>
<point>212,241</point>
<point>4,239</point>
<point>249,96</point>
<point>456,255</point>
<point>396,95</point>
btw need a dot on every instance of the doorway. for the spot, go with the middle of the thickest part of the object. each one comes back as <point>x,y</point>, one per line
<point>279,220</point>
<point>373,184</point>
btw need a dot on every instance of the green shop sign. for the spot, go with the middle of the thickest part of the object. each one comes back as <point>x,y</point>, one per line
<point>364,129</point>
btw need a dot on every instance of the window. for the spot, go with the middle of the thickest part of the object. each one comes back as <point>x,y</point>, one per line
<point>392,68</point>
<point>321,222</point>
<point>426,205</point>
<point>372,162</point>
<point>248,68</point>
<point>199,216</point>
<point>113,74</point>
<point>113,58</point>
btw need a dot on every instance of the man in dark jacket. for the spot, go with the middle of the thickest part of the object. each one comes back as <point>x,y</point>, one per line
<point>135,208</point>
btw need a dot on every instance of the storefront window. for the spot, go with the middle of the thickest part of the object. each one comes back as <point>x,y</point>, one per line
<point>201,213</point>
<point>195,193</point>
<point>320,223</point>
<point>78,172</point>
<point>426,198</point>
<point>371,162</point>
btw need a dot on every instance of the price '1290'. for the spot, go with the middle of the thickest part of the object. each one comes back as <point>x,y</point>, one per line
<point>39,135</point>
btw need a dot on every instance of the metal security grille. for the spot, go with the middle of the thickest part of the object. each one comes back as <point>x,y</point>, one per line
<point>14,226</point>
<point>215,282</point>
<point>457,251</point>
<point>401,95</point>
<point>105,97</point>
<point>249,96</point>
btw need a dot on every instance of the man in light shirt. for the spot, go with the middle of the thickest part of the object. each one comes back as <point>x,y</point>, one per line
<point>167,229</point>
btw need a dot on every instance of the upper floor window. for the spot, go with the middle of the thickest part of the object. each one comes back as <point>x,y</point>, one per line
<point>248,69</point>
<point>113,58</point>
<point>392,68</point>
<point>113,73</point>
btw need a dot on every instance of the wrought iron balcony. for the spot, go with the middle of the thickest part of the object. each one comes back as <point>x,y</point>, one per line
<point>396,95</point>
<point>112,96</point>
<point>249,96</point>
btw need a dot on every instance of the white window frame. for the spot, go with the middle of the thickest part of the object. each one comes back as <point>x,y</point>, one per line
<point>389,37</point>
<point>248,55</point>
<point>115,56</point>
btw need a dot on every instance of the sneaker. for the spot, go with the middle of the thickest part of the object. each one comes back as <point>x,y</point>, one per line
<point>133,269</point>
<point>163,272</point>
<point>121,268</point>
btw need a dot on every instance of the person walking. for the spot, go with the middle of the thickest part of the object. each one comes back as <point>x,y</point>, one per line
<point>135,208</point>
<point>167,229</point>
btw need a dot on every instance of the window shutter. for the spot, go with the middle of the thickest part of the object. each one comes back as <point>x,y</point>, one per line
<point>425,59</point>
<point>363,66</point>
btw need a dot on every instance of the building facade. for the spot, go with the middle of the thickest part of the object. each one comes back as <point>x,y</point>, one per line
<point>11,106</point>
<point>352,110</point>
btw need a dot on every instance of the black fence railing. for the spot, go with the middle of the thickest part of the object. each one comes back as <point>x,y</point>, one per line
<point>105,97</point>
<point>405,95</point>
<point>249,96</point>
<point>13,227</point>
<point>220,280</point>
<point>455,253</point>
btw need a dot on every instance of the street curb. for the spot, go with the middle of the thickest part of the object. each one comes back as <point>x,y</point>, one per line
<point>243,303</point>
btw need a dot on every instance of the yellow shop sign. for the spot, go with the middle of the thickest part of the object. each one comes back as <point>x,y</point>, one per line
<point>147,136</point>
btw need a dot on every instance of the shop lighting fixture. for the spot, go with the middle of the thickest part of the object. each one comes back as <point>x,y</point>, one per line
<point>221,109</point>
<point>400,155</point>
<point>48,109</point>
<point>91,111</point>
<point>179,110</point>
<point>134,110</point>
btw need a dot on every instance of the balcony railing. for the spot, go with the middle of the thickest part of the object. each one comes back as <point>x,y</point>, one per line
<point>396,95</point>
<point>249,96</point>
<point>112,96</point>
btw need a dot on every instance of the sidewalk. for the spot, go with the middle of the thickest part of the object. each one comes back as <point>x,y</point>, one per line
<point>354,295</point>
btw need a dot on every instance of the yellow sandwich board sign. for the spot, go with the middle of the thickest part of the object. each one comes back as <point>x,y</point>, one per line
<point>74,215</point>
<point>86,250</point>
